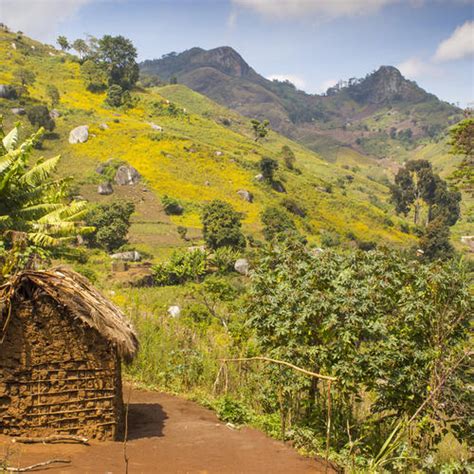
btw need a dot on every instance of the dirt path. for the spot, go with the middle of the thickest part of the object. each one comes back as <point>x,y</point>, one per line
<point>171,435</point>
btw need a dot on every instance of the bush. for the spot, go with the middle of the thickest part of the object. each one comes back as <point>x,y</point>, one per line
<point>183,266</point>
<point>38,115</point>
<point>232,411</point>
<point>268,166</point>
<point>276,223</point>
<point>114,96</point>
<point>171,206</point>
<point>222,226</point>
<point>111,222</point>
<point>288,157</point>
<point>330,239</point>
<point>182,231</point>
<point>224,259</point>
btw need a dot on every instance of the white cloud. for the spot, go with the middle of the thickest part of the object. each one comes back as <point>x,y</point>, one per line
<point>326,85</point>
<point>38,18</point>
<point>297,81</point>
<point>415,67</point>
<point>459,45</point>
<point>302,8</point>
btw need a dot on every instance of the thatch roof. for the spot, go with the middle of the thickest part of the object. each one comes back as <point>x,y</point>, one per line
<point>82,301</point>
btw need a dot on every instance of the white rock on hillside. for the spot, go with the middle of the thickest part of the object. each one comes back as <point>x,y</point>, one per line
<point>245,195</point>
<point>126,175</point>
<point>242,266</point>
<point>79,134</point>
<point>131,256</point>
<point>174,311</point>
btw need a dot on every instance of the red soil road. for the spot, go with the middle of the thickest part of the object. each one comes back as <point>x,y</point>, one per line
<point>170,435</point>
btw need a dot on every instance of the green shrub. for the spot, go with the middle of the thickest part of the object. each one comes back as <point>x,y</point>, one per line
<point>276,223</point>
<point>183,266</point>
<point>232,411</point>
<point>114,96</point>
<point>330,239</point>
<point>224,259</point>
<point>171,206</point>
<point>222,226</point>
<point>38,115</point>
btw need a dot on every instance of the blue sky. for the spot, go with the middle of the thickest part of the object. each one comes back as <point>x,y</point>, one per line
<point>311,42</point>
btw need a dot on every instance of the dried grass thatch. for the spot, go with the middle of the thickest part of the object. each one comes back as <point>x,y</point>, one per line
<point>82,301</point>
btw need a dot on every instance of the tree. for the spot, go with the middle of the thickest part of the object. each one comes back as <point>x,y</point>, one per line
<point>35,216</point>
<point>173,80</point>
<point>53,94</point>
<point>63,43</point>
<point>81,47</point>
<point>389,328</point>
<point>118,55</point>
<point>94,76</point>
<point>222,226</point>
<point>277,224</point>
<point>462,143</point>
<point>112,222</point>
<point>38,115</point>
<point>24,76</point>
<point>268,166</point>
<point>114,96</point>
<point>260,129</point>
<point>288,157</point>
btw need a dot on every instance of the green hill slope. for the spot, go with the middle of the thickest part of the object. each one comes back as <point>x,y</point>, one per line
<point>204,152</point>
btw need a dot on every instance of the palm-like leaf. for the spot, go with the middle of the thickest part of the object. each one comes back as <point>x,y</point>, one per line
<point>11,139</point>
<point>39,172</point>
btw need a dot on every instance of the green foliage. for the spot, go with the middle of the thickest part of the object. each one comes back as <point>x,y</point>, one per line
<point>462,143</point>
<point>182,231</point>
<point>260,129</point>
<point>112,222</point>
<point>183,266</point>
<point>268,167</point>
<point>34,213</point>
<point>53,94</point>
<point>24,76</point>
<point>288,157</point>
<point>276,223</point>
<point>94,76</point>
<point>295,208</point>
<point>118,56</point>
<point>330,239</point>
<point>389,328</point>
<point>114,96</point>
<point>39,117</point>
<point>222,226</point>
<point>63,43</point>
<point>81,47</point>
<point>171,206</point>
<point>232,411</point>
<point>223,258</point>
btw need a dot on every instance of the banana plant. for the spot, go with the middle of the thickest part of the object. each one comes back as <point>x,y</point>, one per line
<point>33,203</point>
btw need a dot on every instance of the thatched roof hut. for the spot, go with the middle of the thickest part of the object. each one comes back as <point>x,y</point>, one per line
<point>61,342</point>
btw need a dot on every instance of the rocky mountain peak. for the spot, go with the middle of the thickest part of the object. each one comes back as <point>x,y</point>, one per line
<point>226,60</point>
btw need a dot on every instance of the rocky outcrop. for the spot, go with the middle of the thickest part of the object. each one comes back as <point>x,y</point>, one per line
<point>245,195</point>
<point>105,189</point>
<point>126,175</point>
<point>18,111</point>
<point>55,114</point>
<point>7,92</point>
<point>79,134</point>
<point>242,266</point>
<point>130,256</point>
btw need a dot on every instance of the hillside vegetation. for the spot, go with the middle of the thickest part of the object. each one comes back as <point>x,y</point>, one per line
<point>203,152</point>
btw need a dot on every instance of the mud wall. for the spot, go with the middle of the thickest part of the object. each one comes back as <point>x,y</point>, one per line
<point>56,375</point>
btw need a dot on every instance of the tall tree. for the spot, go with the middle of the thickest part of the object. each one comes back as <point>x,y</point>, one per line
<point>119,58</point>
<point>63,43</point>
<point>462,143</point>
<point>260,129</point>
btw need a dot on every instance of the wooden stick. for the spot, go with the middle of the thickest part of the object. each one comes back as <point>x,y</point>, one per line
<point>35,466</point>
<point>281,362</point>
<point>52,439</point>
<point>328,427</point>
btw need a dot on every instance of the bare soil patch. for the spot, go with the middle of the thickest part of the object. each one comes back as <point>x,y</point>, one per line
<point>168,434</point>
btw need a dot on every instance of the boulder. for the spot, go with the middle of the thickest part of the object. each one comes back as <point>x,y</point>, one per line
<point>103,126</point>
<point>105,188</point>
<point>156,127</point>
<point>79,134</point>
<point>18,111</point>
<point>55,114</point>
<point>126,175</point>
<point>174,311</point>
<point>7,92</point>
<point>259,177</point>
<point>242,266</point>
<point>130,256</point>
<point>245,195</point>
<point>218,153</point>
<point>207,183</point>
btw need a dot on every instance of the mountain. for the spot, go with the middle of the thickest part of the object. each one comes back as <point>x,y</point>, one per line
<point>203,151</point>
<point>383,114</point>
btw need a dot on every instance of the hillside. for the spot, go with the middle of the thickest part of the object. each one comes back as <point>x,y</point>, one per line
<point>378,115</point>
<point>203,152</point>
